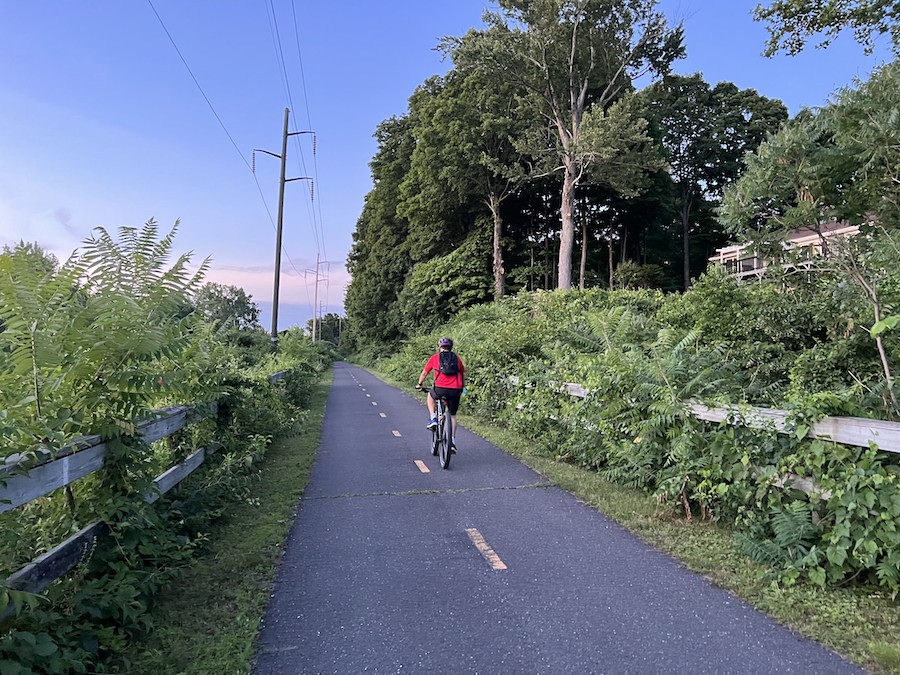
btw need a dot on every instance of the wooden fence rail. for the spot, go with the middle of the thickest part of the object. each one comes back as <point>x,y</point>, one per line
<point>857,431</point>
<point>76,460</point>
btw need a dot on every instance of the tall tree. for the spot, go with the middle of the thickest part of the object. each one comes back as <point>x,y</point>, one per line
<point>793,22</point>
<point>328,327</point>
<point>466,147</point>
<point>574,59</point>
<point>705,133</point>
<point>228,306</point>
<point>379,258</point>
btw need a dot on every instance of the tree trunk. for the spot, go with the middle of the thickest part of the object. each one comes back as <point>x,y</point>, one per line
<point>583,267</point>
<point>610,248</point>
<point>531,260</point>
<point>686,237</point>
<point>548,267</point>
<point>567,233</point>
<point>499,271</point>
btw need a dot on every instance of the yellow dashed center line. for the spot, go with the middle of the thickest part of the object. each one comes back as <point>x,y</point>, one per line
<point>396,433</point>
<point>422,467</point>
<point>485,550</point>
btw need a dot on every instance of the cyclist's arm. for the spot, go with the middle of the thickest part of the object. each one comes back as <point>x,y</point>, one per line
<point>425,372</point>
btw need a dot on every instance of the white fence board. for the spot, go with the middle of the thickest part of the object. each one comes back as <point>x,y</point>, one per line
<point>37,575</point>
<point>174,475</point>
<point>77,460</point>
<point>855,431</point>
<point>16,462</point>
<point>165,422</point>
<point>22,488</point>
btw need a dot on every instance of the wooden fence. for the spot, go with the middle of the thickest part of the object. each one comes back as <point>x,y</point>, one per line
<point>77,460</point>
<point>857,431</point>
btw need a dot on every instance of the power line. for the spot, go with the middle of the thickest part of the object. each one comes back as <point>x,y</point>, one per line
<point>227,133</point>
<point>276,40</point>
<point>205,97</point>
<point>308,121</point>
<point>212,108</point>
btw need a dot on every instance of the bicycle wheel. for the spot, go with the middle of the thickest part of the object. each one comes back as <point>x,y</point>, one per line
<point>446,438</point>
<point>435,440</point>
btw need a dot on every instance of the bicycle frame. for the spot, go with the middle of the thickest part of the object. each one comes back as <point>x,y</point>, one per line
<point>442,434</point>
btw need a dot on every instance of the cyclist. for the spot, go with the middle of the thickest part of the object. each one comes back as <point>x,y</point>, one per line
<point>449,380</point>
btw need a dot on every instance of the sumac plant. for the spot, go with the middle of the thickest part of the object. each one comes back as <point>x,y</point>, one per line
<point>90,347</point>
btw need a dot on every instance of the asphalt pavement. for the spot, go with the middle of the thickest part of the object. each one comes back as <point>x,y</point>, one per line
<point>394,565</point>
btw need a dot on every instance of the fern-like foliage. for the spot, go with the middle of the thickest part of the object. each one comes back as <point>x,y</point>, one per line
<point>793,526</point>
<point>93,345</point>
<point>763,551</point>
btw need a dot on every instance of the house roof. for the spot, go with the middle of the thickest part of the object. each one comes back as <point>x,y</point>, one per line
<point>798,235</point>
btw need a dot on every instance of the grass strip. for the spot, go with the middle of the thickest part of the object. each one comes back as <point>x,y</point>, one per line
<point>208,618</point>
<point>862,623</point>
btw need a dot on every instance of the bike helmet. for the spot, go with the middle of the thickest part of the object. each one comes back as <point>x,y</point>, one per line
<point>445,342</point>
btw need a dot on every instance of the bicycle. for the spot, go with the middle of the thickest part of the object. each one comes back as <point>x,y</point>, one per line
<point>442,434</point>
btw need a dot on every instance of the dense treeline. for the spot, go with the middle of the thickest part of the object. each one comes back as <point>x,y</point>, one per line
<point>535,163</point>
<point>91,346</point>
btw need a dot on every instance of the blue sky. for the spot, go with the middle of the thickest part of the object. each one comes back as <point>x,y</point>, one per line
<point>101,124</point>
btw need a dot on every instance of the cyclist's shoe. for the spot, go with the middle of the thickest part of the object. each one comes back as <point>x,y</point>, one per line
<point>432,424</point>
<point>453,447</point>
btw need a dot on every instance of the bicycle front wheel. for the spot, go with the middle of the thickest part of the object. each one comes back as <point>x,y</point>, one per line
<point>446,439</point>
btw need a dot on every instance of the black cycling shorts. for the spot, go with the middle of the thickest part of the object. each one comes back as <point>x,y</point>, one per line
<point>452,396</point>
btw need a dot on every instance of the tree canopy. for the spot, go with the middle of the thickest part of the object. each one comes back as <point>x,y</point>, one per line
<point>792,23</point>
<point>538,134</point>
<point>572,60</point>
<point>705,133</point>
<point>841,164</point>
<point>227,306</point>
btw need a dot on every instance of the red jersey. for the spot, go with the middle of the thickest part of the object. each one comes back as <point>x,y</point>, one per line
<point>441,380</point>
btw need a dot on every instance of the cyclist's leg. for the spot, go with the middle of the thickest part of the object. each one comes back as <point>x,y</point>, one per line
<point>432,412</point>
<point>452,396</point>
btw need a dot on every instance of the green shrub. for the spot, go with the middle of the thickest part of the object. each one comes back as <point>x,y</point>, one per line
<point>643,357</point>
<point>91,347</point>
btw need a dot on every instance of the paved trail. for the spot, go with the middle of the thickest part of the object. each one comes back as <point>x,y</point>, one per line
<point>389,569</point>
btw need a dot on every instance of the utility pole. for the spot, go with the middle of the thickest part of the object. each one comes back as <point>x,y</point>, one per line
<point>284,140</point>
<point>316,328</point>
<point>315,300</point>
<point>279,227</point>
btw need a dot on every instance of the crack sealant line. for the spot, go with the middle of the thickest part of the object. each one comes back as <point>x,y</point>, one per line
<point>415,493</point>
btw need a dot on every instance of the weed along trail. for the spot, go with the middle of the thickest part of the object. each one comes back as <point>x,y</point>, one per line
<point>395,565</point>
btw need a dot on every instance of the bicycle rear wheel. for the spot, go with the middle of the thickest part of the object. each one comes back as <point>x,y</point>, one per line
<point>446,438</point>
<point>435,441</point>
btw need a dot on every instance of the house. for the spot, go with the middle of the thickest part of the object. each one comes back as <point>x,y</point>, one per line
<point>742,261</point>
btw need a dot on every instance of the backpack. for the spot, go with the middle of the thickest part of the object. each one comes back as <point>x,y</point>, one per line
<point>449,363</point>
